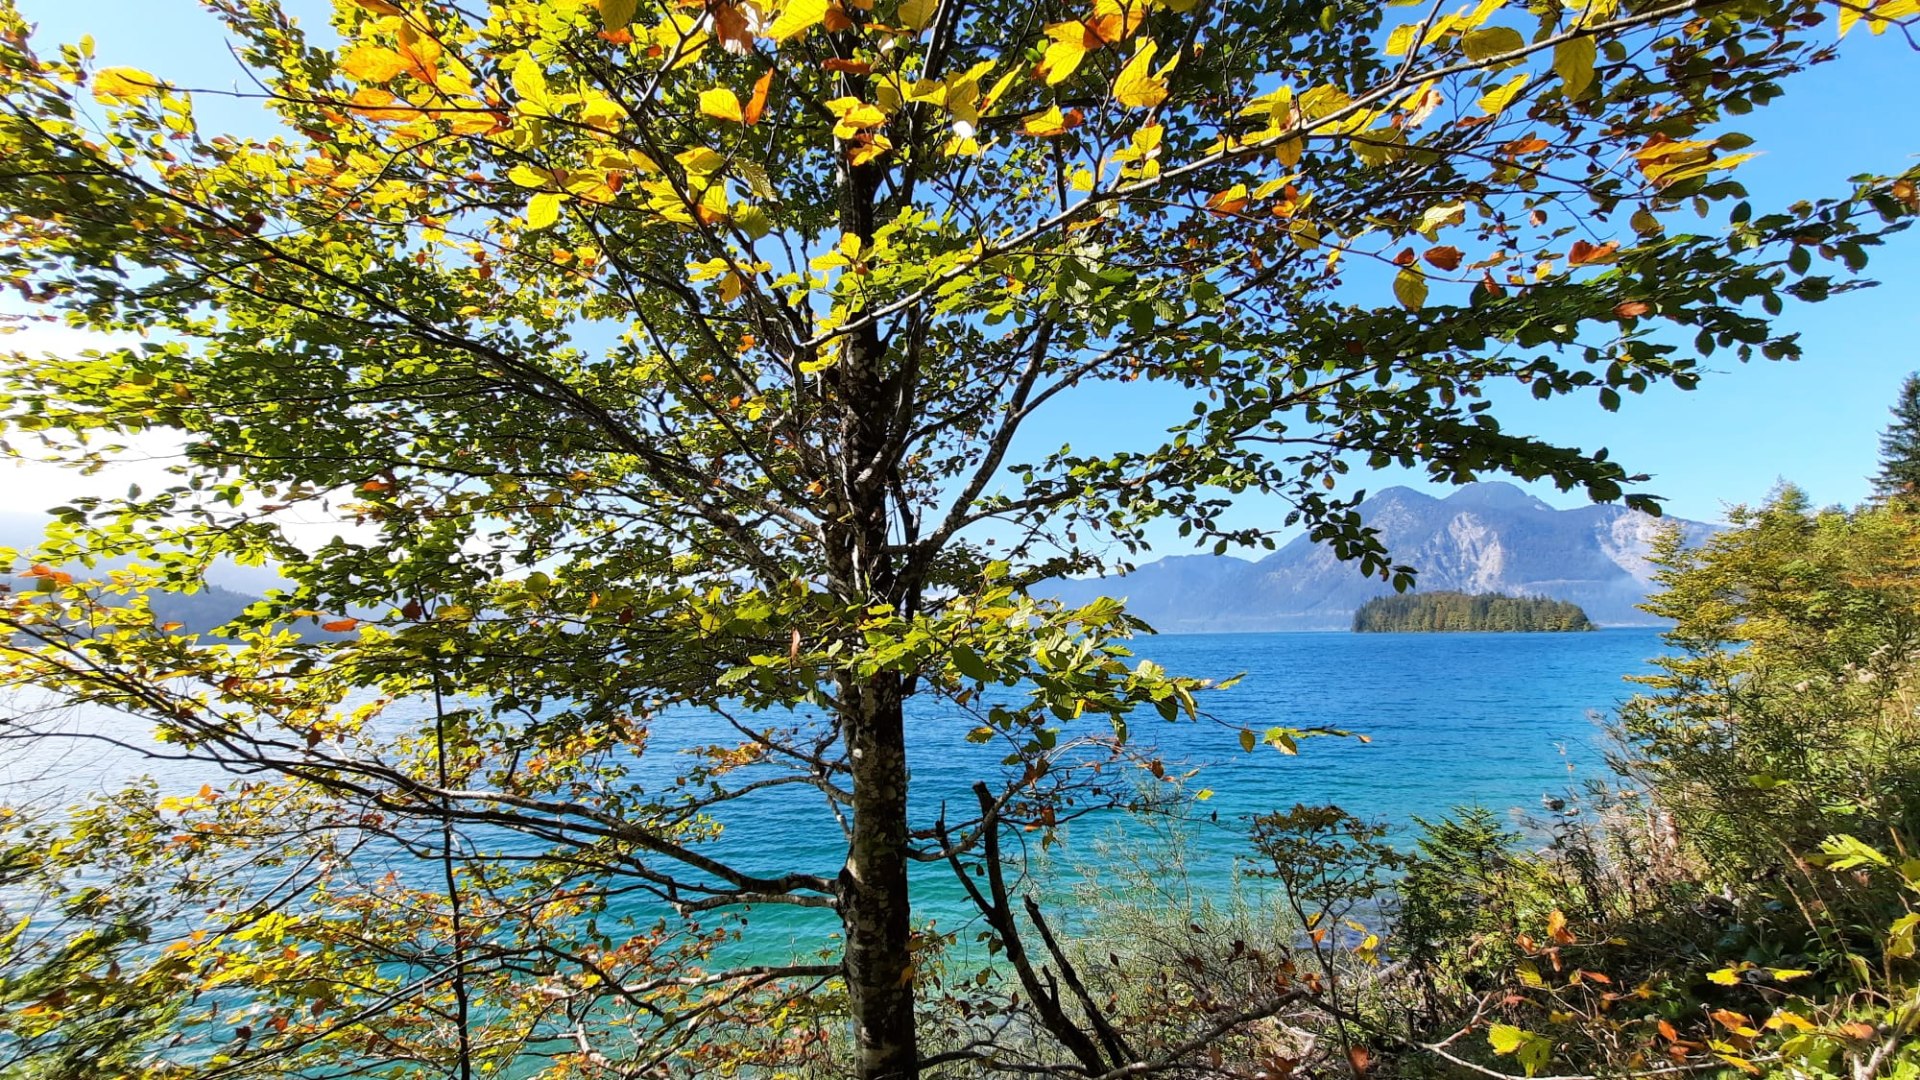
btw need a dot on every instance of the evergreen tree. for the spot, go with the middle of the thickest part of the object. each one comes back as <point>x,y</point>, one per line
<point>1900,445</point>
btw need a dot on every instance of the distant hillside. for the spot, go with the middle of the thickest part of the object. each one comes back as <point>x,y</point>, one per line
<point>1450,612</point>
<point>1483,538</point>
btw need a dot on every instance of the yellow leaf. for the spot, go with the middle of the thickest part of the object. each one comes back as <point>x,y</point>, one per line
<point>1068,49</point>
<point>916,14</point>
<point>1401,39</point>
<point>701,161</point>
<point>796,18</point>
<point>1573,62</point>
<point>731,286</point>
<point>529,177</point>
<point>543,210</point>
<point>1497,99</point>
<point>118,85</point>
<point>1136,85</point>
<point>721,104</point>
<point>867,149</point>
<point>1410,288</point>
<point>1491,42</point>
<point>1044,124</point>
<point>371,63</point>
<point>617,13</point>
<point>530,80</point>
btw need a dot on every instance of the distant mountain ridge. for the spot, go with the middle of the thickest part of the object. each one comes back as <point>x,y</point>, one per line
<point>1487,537</point>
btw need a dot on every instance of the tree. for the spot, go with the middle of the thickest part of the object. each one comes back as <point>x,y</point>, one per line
<point>679,358</point>
<point>1900,445</point>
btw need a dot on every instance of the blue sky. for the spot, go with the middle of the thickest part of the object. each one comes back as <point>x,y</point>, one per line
<point>1815,422</point>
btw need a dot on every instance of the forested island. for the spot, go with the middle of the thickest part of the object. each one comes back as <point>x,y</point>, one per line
<point>1451,611</point>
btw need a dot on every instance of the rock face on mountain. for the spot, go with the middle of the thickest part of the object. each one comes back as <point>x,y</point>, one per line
<point>1489,537</point>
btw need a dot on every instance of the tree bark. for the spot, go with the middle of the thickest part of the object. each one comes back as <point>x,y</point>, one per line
<point>874,904</point>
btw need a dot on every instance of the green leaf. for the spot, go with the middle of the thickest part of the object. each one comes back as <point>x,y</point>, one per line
<point>968,663</point>
<point>1410,288</point>
<point>1248,740</point>
<point>1573,62</point>
<point>616,14</point>
<point>1491,41</point>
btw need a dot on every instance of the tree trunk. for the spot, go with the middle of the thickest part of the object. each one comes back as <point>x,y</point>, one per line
<point>874,907</point>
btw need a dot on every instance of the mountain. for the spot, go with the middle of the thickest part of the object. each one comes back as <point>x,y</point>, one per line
<point>1487,537</point>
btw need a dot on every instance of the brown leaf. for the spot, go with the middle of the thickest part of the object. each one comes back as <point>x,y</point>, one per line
<point>1357,1057</point>
<point>1583,253</point>
<point>1405,258</point>
<point>1444,257</point>
<point>1632,309</point>
<point>730,26</point>
<point>847,67</point>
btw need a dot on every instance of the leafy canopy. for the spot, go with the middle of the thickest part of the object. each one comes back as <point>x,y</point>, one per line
<point>673,355</point>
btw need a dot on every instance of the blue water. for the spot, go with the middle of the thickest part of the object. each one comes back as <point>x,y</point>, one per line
<point>1496,720</point>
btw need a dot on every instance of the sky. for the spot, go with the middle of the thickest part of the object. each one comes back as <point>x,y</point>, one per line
<point>1815,423</point>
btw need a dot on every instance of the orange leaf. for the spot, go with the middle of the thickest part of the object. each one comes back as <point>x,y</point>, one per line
<point>1632,309</point>
<point>757,103</point>
<point>1583,253</point>
<point>1668,1030</point>
<point>847,67</point>
<point>1557,927</point>
<point>339,625</point>
<point>1357,1057</point>
<point>1444,258</point>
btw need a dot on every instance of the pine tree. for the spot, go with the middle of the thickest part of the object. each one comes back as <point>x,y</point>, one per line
<point>1900,445</point>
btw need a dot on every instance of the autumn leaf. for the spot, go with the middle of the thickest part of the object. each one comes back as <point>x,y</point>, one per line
<point>1573,62</point>
<point>729,21</point>
<point>543,210</point>
<point>1231,201</point>
<point>721,104</point>
<point>1557,927</point>
<point>916,14</point>
<point>1585,254</point>
<point>337,626</point>
<point>757,103</point>
<point>1491,41</point>
<point>1632,309</point>
<point>796,18</point>
<point>1410,288</point>
<point>1444,258</point>
<point>1045,124</point>
<point>123,85</point>
<point>617,13</point>
<point>371,63</point>
<point>1137,86</point>
<point>1494,101</point>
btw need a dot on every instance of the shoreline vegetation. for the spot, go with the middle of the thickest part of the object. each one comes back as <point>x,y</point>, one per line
<point>1456,612</point>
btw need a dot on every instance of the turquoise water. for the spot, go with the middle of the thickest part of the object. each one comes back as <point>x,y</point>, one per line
<point>1498,720</point>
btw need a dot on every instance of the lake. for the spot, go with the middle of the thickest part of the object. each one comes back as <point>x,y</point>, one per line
<point>1494,719</point>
